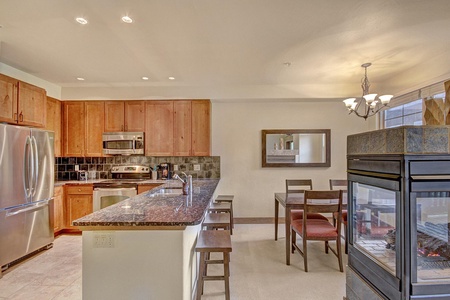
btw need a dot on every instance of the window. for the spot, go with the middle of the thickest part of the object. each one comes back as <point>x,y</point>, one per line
<point>406,114</point>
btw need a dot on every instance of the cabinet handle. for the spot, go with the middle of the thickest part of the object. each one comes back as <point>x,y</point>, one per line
<point>126,127</point>
<point>79,190</point>
<point>121,127</point>
<point>21,117</point>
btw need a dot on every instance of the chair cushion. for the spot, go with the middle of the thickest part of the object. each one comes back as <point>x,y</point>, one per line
<point>298,214</point>
<point>316,229</point>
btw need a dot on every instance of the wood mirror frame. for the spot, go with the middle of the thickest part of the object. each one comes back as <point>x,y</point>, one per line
<point>283,148</point>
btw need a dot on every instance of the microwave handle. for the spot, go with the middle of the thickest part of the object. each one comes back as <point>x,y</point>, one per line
<point>134,145</point>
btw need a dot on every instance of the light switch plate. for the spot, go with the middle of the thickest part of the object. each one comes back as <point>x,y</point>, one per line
<point>175,167</point>
<point>196,167</point>
<point>104,240</point>
<point>77,167</point>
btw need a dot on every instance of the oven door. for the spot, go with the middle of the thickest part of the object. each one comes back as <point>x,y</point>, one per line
<point>104,197</point>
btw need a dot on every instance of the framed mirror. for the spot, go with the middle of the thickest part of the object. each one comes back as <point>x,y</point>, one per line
<point>296,148</point>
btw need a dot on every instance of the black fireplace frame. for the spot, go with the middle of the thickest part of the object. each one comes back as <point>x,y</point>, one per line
<point>405,175</point>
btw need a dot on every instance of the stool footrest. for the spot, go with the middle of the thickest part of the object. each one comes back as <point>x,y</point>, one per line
<point>216,261</point>
<point>213,277</point>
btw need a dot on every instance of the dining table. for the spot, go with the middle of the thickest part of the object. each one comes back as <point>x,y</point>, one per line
<point>289,202</point>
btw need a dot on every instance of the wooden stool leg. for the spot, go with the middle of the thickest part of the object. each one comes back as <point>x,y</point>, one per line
<point>200,275</point>
<point>226,271</point>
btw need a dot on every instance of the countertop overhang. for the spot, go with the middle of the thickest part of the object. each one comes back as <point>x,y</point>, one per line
<point>153,210</point>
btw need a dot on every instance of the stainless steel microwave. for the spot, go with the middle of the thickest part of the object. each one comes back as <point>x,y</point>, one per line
<point>123,143</point>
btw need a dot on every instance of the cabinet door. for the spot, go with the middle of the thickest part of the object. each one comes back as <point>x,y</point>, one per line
<point>201,128</point>
<point>54,122</point>
<point>134,115</point>
<point>78,203</point>
<point>32,105</point>
<point>159,128</point>
<point>114,116</point>
<point>95,120</point>
<point>74,127</point>
<point>182,128</point>
<point>58,209</point>
<point>8,99</point>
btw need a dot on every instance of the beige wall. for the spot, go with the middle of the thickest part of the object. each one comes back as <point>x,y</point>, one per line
<point>236,138</point>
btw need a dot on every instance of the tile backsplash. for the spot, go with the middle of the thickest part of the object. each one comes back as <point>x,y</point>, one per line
<point>65,166</point>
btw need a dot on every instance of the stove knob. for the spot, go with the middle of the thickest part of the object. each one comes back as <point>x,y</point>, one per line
<point>146,170</point>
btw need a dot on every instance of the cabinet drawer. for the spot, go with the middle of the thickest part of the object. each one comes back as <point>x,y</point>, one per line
<point>79,189</point>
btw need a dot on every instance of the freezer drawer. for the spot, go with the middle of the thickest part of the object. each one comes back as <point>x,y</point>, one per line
<point>25,229</point>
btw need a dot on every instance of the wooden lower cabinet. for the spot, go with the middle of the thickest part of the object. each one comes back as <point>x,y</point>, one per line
<point>58,205</point>
<point>146,187</point>
<point>79,202</point>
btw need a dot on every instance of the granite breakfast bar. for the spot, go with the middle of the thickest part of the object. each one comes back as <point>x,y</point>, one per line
<point>143,247</point>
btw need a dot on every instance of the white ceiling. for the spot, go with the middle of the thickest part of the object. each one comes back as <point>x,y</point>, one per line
<point>228,49</point>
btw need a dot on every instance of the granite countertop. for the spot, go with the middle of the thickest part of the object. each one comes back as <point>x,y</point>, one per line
<point>92,181</point>
<point>153,210</point>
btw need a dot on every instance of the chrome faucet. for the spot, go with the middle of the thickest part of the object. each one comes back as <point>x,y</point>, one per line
<point>187,184</point>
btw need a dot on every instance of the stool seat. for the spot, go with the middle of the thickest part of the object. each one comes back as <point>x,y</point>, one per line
<point>215,221</point>
<point>222,208</point>
<point>213,241</point>
<point>225,198</point>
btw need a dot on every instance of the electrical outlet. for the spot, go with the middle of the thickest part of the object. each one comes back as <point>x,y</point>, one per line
<point>104,240</point>
<point>175,167</point>
<point>77,167</point>
<point>196,167</point>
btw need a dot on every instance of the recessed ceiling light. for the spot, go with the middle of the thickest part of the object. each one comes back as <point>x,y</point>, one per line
<point>82,21</point>
<point>144,78</point>
<point>127,19</point>
<point>287,64</point>
<point>80,78</point>
<point>171,78</point>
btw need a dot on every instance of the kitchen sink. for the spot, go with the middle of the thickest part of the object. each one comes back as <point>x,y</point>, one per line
<point>169,191</point>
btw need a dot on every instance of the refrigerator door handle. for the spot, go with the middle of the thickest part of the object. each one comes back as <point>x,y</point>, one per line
<point>16,211</point>
<point>35,173</point>
<point>26,168</point>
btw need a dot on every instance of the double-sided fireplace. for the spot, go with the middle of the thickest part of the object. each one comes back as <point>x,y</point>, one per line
<point>399,214</point>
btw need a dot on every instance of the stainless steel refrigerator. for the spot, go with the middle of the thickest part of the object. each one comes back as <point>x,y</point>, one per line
<point>26,191</point>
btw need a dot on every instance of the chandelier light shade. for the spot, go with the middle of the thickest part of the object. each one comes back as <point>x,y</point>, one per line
<point>368,105</point>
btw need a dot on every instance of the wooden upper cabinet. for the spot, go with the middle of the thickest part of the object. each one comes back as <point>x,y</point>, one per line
<point>114,116</point>
<point>124,116</point>
<point>159,128</point>
<point>201,128</point>
<point>74,124</point>
<point>22,103</point>
<point>95,120</point>
<point>8,99</point>
<point>182,128</point>
<point>54,122</point>
<point>134,116</point>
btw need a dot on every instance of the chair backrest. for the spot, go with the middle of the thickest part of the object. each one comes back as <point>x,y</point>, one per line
<point>298,185</point>
<point>323,202</point>
<point>338,184</point>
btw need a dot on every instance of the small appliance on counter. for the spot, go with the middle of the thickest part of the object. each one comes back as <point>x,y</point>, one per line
<point>82,175</point>
<point>164,171</point>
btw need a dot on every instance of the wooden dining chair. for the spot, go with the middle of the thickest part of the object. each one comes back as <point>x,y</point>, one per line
<point>317,229</point>
<point>296,186</point>
<point>341,184</point>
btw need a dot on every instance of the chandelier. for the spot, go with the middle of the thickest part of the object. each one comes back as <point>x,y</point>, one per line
<point>368,105</point>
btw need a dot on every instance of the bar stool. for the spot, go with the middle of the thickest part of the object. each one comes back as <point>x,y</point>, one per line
<point>222,208</point>
<point>216,221</point>
<point>213,241</point>
<point>226,199</point>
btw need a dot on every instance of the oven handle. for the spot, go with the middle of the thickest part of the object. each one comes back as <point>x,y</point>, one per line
<point>114,189</point>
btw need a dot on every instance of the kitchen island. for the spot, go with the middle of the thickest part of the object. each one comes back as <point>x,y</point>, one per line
<point>143,247</point>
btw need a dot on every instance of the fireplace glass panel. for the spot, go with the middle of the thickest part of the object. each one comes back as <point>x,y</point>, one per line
<point>374,226</point>
<point>433,249</point>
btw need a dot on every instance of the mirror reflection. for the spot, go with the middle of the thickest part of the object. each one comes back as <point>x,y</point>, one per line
<point>296,148</point>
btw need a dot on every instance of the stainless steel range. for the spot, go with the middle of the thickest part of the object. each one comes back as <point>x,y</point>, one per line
<point>123,185</point>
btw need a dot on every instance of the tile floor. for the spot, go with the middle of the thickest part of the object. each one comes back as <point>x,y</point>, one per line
<point>258,271</point>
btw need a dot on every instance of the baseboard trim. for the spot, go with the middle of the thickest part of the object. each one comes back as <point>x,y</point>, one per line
<point>261,220</point>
